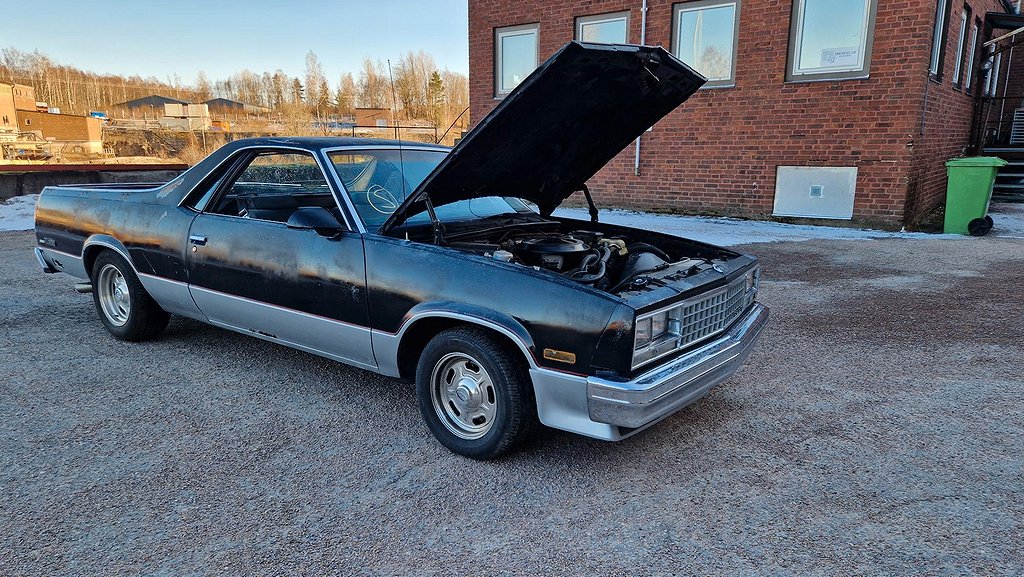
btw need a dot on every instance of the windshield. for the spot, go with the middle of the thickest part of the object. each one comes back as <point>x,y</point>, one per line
<point>378,181</point>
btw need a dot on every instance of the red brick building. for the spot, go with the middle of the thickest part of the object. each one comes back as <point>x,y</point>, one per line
<point>840,109</point>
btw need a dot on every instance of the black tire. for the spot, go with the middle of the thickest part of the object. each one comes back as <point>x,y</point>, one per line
<point>142,318</point>
<point>506,412</point>
<point>979,226</point>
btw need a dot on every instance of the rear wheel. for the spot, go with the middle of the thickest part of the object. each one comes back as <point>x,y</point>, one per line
<point>980,226</point>
<point>475,397</point>
<point>125,308</point>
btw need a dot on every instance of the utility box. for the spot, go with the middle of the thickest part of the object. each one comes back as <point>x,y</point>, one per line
<point>815,191</point>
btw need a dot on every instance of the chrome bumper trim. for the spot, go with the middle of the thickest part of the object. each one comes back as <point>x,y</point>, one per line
<point>612,411</point>
<point>42,261</point>
<point>670,387</point>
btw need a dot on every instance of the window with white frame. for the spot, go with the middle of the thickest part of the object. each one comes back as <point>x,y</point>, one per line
<point>831,39</point>
<point>603,28</point>
<point>972,49</point>
<point>515,55</point>
<point>939,39</point>
<point>961,45</point>
<point>705,36</point>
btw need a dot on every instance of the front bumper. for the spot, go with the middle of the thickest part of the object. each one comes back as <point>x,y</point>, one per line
<point>613,410</point>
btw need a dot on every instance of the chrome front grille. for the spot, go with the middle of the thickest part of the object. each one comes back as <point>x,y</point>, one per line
<point>693,320</point>
<point>711,314</point>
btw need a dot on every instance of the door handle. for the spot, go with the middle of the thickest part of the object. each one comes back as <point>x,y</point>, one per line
<point>196,239</point>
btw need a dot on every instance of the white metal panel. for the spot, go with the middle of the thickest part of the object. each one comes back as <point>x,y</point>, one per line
<point>815,191</point>
<point>197,110</point>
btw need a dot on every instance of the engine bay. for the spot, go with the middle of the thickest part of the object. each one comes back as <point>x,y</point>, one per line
<point>612,262</point>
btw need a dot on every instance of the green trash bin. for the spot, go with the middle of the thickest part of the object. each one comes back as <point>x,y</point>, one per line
<point>968,192</point>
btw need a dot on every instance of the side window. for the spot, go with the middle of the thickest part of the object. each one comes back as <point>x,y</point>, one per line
<point>939,39</point>
<point>972,53</point>
<point>705,36</point>
<point>603,28</point>
<point>961,46</point>
<point>515,56</point>
<point>273,185</point>
<point>830,40</point>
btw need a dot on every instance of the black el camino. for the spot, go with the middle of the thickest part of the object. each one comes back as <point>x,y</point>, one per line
<point>439,266</point>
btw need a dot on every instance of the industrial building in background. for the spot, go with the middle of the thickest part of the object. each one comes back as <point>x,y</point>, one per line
<point>30,130</point>
<point>814,108</point>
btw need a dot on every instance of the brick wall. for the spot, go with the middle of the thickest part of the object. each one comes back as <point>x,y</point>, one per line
<point>719,152</point>
<point>945,115</point>
<point>8,114</point>
<point>63,127</point>
<point>24,97</point>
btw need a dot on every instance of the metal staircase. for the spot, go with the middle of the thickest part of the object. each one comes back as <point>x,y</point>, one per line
<point>1009,185</point>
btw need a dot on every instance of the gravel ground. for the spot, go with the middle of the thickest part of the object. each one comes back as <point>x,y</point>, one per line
<point>876,430</point>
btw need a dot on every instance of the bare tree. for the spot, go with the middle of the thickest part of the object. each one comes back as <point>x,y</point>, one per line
<point>374,91</point>
<point>318,94</point>
<point>423,92</point>
<point>202,91</point>
<point>348,92</point>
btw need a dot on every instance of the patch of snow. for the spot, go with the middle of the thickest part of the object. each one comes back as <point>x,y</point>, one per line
<point>1008,219</point>
<point>733,231</point>
<point>18,213</point>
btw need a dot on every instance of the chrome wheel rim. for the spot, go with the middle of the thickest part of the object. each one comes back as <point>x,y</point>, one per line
<point>115,300</point>
<point>463,396</point>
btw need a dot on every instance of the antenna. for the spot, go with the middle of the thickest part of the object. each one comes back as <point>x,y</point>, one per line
<point>394,118</point>
<point>397,136</point>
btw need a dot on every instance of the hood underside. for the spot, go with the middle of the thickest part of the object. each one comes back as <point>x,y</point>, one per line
<point>565,121</point>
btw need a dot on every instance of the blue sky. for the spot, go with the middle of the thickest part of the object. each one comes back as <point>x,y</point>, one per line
<point>223,36</point>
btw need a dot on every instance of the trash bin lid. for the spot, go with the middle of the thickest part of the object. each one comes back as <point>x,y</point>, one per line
<point>991,161</point>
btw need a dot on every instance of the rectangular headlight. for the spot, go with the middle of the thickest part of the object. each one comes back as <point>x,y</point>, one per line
<point>659,325</point>
<point>643,332</point>
<point>651,328</point>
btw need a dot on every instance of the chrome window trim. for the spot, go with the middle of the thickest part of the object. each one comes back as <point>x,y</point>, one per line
<point>271,147</point>
<point>349,147</point>
<point>353,148</point>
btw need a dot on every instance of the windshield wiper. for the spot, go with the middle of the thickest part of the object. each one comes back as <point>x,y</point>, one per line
<point>506,220</point>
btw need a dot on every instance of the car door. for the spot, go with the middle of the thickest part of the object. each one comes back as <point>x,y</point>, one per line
<point>251,272</point>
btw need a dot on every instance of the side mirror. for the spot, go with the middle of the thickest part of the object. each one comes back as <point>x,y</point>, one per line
<point>315,218</point>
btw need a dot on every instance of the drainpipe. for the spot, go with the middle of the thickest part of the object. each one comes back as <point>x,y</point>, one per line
<point>643,41</point>
<point>1006,85</point>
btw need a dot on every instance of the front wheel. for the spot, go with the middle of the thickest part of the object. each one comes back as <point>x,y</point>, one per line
<point>475,397</point>
<point>124,306</point>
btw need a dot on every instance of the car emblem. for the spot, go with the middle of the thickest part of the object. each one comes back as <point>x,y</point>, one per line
<point>718,268</point>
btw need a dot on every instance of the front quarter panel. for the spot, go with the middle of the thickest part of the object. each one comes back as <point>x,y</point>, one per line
<point>405,279</point>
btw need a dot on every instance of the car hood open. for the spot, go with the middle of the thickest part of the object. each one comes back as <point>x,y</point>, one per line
<point>556,129</point>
